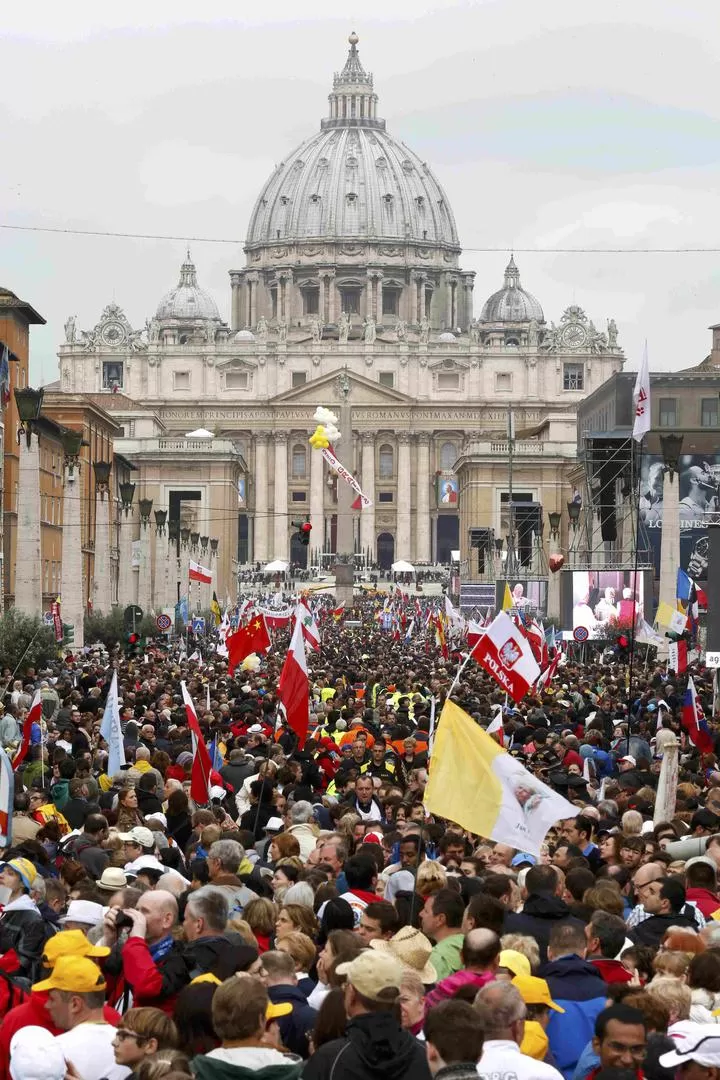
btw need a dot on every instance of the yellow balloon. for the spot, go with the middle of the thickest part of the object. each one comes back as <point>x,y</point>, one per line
<point>319,440</point>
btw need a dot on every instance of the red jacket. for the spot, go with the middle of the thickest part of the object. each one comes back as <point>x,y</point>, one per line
<point>33,1013</point>
<point>612,971</point>
<point>706,900</point>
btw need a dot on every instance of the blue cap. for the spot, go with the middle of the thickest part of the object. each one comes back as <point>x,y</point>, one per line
<point>523,857</point>
<point>651,706</point>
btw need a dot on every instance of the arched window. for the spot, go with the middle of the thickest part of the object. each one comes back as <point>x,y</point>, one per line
<point>299,462</point>
<point>386,462</point>
<point>448,455</point>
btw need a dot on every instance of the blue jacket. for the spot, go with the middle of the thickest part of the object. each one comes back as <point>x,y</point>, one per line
<point>297,1025</point>
<point>578,988</point>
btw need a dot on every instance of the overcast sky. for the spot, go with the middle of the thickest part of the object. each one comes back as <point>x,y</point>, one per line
<point>553,124</point>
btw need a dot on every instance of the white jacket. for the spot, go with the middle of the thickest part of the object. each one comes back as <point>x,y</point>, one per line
<point>702,1005</point>
<point>501,1060</point>
<point>306,838</point>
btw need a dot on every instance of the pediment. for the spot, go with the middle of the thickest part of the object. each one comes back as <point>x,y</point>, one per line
<point>236,363</point>
<point>324,391</point>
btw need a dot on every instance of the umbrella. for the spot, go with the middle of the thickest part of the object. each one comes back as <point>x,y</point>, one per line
<point>403,567</point>
<point>278,566</point>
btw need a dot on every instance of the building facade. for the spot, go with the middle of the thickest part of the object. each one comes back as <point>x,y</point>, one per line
<point>352,267</point>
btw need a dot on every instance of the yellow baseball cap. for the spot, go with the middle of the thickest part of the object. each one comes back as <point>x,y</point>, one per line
<point>272,1012</point>
<point>76,974</point>
<point>24,870</point>
<point>514,961</point>
<point>535,991</point>
<point>71,943</point>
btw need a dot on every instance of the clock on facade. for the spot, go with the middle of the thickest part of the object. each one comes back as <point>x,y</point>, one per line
<point>573,336</point>
<point>113,334</point>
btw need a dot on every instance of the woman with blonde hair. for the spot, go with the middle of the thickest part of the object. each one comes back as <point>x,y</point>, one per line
<point>295,917</point>
<point>303,951</point>
<point>261,916</point>
<point>525,945</point>
<point>431,877</point>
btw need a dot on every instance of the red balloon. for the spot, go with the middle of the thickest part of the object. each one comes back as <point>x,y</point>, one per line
<point>555,562</point>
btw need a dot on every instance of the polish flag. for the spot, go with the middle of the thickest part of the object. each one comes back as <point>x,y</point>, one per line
<point>34,716</point>
<point>201,766</point>
<point>678,656</point>
<point>310,629</point>
<point>548,673</point>
<point>294,686</point>
<point>505,653</point>
<point>475,631</point>
<point>200,573</point>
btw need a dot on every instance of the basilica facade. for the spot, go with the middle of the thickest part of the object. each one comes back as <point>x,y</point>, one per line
<point>352,267</point>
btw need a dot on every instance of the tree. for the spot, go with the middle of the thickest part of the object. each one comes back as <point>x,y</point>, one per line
<point>109,630</point>
<point>25,641</point>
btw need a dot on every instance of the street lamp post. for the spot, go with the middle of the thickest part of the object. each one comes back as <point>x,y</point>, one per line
<point>145,568</point>
<point>554,548</point>
<point>126,590</point>
<point>28,543</point>
<point>671,446</point>
<point>102,576</point>
<point>574,510</point>
<point>71,572</point>
<point>162,564</point>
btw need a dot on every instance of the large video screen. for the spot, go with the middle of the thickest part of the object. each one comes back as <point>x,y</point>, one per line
<point>605,599</point>
<point>699,478</point>
<point>527,596</point>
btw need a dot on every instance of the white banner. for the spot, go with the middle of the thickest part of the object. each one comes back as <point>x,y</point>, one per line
<point>345,475</point>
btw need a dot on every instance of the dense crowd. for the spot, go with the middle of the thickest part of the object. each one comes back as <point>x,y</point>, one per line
<point>313,919</point>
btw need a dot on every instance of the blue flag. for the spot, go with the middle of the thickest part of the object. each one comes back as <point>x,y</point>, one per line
<point>216,758</point>
<point>111,731</point>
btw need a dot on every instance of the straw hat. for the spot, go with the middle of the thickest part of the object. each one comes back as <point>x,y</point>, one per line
<point>412,949</point>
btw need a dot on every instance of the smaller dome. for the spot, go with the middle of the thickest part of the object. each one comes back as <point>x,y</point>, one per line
<point>447,338</point>
<point>187,302</point>
<point>511,304</point>
<point>244,335</point>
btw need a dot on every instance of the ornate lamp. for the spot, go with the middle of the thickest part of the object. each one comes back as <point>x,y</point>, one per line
<point>184,537</point>
<point>203,543</point>
<point>214,546</point>
<point>160,519</point>
<point>29,405</point>
<point>102,474</point>
<point>574,509</point>
<point>71,442</point>
<point>145,506</point>
<point>194,537</point>
<point>554,517</point>
<point>127,491</point>
<point>174,531</point>
<point>671,450</point>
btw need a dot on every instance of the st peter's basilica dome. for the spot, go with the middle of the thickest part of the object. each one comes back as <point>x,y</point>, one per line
<point>511,303</point>
<point>187,302</point>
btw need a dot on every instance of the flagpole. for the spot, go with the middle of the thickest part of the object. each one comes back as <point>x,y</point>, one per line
<point>460,670</point>
<point>633,635</point>
<point>641,425</point>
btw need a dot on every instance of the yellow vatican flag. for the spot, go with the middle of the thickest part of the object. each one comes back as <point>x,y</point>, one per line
<point>478,785</point>
<point>508,603</point>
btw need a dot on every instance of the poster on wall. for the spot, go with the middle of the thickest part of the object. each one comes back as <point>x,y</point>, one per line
<point>699,480</point>
<point>447,490</point>
<point>606,599</point>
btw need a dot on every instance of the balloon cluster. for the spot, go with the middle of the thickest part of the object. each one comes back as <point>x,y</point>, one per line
<point>327,431</point>
<point>251,662</point>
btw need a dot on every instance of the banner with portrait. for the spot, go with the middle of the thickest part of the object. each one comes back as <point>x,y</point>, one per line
<point>699,493</point>
<point>447,490</point>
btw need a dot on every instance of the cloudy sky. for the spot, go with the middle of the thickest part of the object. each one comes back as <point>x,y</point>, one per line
<point>553,125</point>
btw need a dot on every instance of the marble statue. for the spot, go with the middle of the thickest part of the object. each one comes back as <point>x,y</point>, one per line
<point>316,329</point>
<point>424,330</point>
<point>533,335</point>
<point>262,329</point>
<point>369,335</point>
<point>400,330</point>
<point>282,331</point>
<point>612,334</point>
<point>70,331</point>
<point>343,328</point>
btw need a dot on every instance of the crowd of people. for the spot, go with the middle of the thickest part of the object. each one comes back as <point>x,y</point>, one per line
<point>313,919</point>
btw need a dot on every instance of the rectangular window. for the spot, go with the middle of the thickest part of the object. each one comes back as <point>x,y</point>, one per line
<point>386,378</point>
<point>236,380</point>
<point>503,381</point>
<point>448,380</point>
<point>311,301</point>
<point>112,374</point>
<point>667,416</point>
<point>709,412</point>
<point>298,461</point>
<point>385,496</point>
<point>350,300</point>
<point>299,378</point>
<point>299,496</point>
<point>573,377</point>
<point>390,301</point>
<point>181,380</point>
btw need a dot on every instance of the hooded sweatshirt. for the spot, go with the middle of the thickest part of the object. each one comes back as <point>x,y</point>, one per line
<point>246,1063</point>
<point>375,1047</point>
<point>541,912</point>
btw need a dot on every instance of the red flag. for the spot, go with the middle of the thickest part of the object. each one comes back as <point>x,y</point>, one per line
<point>276,622</point>
<point>33,717</point>
<point>548,673</point>
<point>678,656</point>
<point>199,573</point>
<point>294,686</point>
<point>201,766</point>
<point>253,638</point>
<point>694,722</point>
<point>505,654</point>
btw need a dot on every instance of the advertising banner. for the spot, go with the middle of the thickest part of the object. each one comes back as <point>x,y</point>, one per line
<point>699,479</point>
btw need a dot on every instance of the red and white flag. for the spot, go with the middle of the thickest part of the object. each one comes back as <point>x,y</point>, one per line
<point>548,673</point>
<point>641,399</point>
<point>200,573</point>
<point>505,653</point>
<point>294,686</point>
<point>475,631</point>
<point>201,766</point>
<point>678,656</point>
<point>34,716</point>
<point>310,629</point>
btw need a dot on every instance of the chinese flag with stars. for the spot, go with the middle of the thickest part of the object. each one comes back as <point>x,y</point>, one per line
<point>253,638</point>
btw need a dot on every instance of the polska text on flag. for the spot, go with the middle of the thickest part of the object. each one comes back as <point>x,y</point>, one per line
<point>504,652</point>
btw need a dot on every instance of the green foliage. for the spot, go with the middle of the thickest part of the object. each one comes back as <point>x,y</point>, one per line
<point>17,631</point>
<point>109,630</point>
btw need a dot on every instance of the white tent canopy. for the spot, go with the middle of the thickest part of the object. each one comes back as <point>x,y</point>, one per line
<point>276,567</point>
<point>200,433</point>
<point>402,567</point>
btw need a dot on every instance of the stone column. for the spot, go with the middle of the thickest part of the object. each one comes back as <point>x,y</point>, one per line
<point>102,581</point>
<point>379,296</point>
<point>317,499</point>
<point>369,297</point>
<point>422,504</point>
<point>367,483</point>
<point>669,546</point>
<point>321,299</point>
<point>145,570</point>
<point>162,565</point>
<point>331,296</point>
<point>402,537</point>
<point>280,536</point>
<point>126,576</point>
<point>251,280</point>
<point>421,288</point>
<point>262,526</point>
<point>236,314</point>
<point>71,581</point>
<point>28,551</point>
